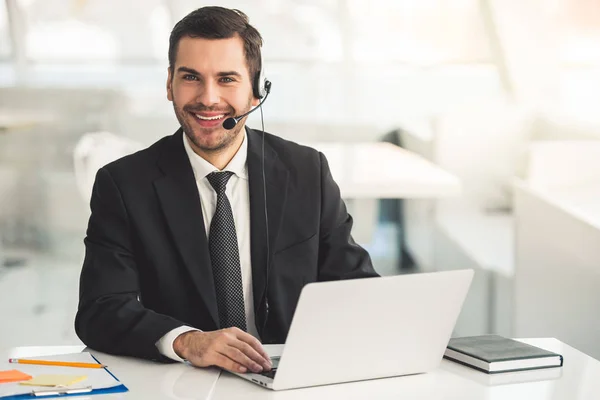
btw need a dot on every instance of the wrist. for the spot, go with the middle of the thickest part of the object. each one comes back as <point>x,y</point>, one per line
<point>180,344</point>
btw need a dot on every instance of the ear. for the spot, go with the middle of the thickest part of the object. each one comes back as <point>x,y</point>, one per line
<point>170,84</point>
<point>255,101</point>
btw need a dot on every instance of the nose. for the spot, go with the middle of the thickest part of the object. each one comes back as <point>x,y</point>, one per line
<point>208,94</point>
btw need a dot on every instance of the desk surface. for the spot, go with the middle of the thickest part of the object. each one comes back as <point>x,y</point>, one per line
<point>577,380</point>
<point>383,170</point>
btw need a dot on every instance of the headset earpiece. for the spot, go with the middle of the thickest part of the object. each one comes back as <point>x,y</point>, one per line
<point>261,85</point>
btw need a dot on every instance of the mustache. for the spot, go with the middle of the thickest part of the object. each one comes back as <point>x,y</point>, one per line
<point>197,109</point>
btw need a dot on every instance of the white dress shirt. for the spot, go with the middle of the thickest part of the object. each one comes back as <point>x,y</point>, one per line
<point>239,197</point>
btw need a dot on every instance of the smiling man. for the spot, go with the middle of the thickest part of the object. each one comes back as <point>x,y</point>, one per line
<point>198,247</point>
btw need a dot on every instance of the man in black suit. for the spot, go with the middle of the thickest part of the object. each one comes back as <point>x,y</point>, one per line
<point>184,260</point>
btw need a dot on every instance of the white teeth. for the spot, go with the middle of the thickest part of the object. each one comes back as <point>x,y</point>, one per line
<point>209,118</point>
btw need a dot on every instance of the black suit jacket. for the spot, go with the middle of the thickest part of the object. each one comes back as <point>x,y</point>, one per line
<point>147,267</point>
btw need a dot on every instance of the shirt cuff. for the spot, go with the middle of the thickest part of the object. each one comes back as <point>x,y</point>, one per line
<point>165,343</point>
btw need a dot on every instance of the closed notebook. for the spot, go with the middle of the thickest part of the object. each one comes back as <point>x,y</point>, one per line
<point>494,354</point>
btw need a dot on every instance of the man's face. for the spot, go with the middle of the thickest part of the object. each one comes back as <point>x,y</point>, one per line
<point>209,83</point>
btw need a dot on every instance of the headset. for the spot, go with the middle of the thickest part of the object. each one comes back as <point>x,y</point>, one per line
<point>261,87</point>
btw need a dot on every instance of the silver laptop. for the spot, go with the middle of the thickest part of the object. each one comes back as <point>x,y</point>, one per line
<point>371,328</point>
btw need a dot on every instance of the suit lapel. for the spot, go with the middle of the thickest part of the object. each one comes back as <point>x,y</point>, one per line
<point>180,201</point>
<point>276,186</point>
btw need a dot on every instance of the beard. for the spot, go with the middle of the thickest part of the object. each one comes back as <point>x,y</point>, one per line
<point>209,140</point>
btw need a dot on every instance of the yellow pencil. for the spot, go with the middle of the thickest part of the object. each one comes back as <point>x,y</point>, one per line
<point>56,363</point>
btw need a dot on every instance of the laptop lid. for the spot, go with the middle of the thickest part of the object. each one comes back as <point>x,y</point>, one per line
<point>371,328</point>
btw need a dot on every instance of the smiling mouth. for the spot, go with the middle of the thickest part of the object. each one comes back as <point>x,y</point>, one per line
<point>209,118</point>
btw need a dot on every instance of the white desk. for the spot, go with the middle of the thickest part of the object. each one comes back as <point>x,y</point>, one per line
<point>374,170</point>
<point>577,380</point>
<point>146,380</point>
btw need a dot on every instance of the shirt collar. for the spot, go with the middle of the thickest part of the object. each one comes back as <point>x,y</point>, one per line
<point>202,168</point>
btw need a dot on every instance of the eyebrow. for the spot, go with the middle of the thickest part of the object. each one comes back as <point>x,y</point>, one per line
<point>194,72</point>
<point>229,73</point>
<point>188,70</point>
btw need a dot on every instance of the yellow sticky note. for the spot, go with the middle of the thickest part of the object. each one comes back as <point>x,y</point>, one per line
<point>54,380</point>
<point>13,376</point>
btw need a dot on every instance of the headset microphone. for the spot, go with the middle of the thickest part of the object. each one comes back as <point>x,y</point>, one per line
<point>231,122</point>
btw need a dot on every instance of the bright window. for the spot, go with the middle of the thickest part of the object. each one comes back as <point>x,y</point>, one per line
<point>579,27</point>
<point>292,30</point>
<point>418,31</point>
<point>5,45</point>
<point>95,30</point>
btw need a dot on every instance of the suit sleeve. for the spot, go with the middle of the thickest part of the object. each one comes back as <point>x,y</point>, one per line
<point>340,257</point>
<point>110,317</point>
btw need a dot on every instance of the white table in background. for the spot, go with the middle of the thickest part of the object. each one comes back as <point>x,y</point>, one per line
<point>368,171</point>
<point>577,380</point>
<point>581,200</point>
<point>377,170</point>
<point>11,120</point>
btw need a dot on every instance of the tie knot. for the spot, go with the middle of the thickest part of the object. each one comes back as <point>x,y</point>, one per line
<point>219,180</point>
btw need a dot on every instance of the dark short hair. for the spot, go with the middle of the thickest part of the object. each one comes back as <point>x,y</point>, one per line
<point>218,23</point>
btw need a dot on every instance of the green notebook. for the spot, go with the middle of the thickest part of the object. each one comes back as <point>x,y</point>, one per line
<point>494,354</point>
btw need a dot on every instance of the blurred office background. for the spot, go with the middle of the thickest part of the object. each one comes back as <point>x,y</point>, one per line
<point>502,96</point>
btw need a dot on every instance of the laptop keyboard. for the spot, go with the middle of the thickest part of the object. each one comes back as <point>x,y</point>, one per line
<point>273,371</point>
<point>270,374</point>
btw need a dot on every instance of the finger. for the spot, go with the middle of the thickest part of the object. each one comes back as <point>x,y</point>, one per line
<point>240,358</point>
<point>249,351</point>
<point>227,363</point>
<point>254,343</point>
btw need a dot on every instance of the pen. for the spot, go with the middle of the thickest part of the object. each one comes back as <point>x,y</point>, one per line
<point>56,363</point>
